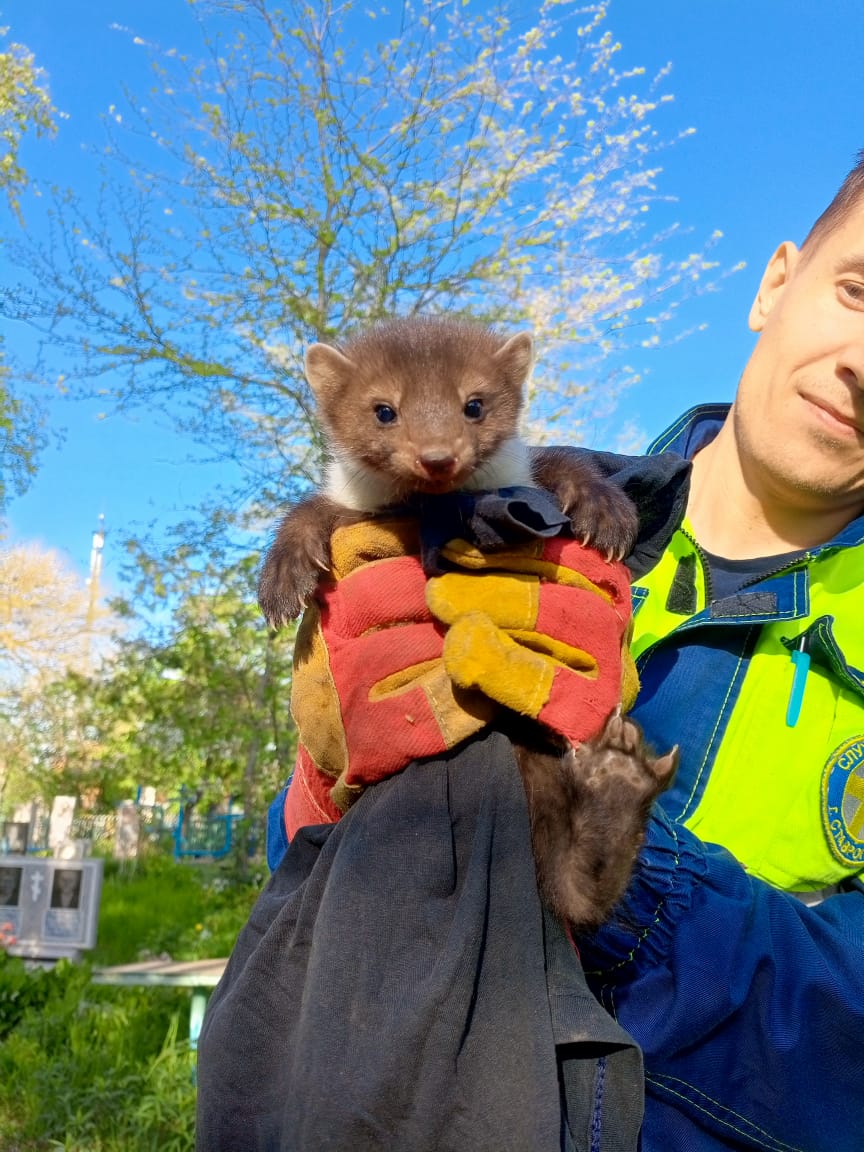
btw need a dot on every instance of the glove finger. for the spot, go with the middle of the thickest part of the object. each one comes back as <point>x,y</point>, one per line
<point>573,704</point>
<point>510,599</point>
<point>369,541</point>
<point>480,655</point>
<point>572,617</point>
<point>559,560</point>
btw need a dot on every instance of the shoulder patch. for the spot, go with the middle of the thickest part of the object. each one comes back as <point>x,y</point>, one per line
<point>843,801</point>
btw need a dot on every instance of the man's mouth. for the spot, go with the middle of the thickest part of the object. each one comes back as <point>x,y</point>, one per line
<point>834,418</point>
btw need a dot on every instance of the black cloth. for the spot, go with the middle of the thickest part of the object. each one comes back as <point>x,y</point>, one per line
<point>657,485</point>
<point>490,520</point>
<point>399,988</point>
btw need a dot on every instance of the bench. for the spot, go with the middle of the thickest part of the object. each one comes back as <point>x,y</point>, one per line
<point>199,975</point>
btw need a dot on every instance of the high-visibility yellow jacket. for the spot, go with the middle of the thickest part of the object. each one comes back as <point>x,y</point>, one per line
<point>747,1002</point>
<point>772,750</point>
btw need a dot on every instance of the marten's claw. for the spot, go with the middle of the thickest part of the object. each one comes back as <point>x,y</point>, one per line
<point>606,519</point>
<point>283,592</point>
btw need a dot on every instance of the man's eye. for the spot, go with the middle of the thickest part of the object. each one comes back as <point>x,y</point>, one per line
<point>853,290</point>
<point>384,414</point>
<point>473,409</point>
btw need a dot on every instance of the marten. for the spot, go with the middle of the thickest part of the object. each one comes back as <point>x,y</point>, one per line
<point>423,406</point>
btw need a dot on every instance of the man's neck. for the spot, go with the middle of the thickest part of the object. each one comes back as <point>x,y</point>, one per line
<point>733,518</point>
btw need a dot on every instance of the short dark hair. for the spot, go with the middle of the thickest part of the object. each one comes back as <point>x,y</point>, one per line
<point>848,195</point>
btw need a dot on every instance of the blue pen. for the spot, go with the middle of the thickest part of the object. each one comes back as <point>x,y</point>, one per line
<point>801,660</point>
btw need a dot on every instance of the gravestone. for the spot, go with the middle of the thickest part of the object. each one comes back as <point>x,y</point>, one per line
<point>36,814</point>
<point>14,836</point>
<point>127,832</point>
<point>73,849</point>
<point>60,827</point>
<point>26,813</point>
<point>49,907</point>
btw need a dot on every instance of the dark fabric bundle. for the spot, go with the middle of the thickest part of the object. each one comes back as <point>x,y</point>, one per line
<point>489,520</point>
<point>399,987</point>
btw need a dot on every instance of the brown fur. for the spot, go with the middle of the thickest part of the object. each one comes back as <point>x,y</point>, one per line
<point>455,391</point>
<point>588,806</point>
<point>426,370</point>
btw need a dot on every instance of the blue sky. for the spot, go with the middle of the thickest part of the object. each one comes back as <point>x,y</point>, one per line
<point>771,88</point>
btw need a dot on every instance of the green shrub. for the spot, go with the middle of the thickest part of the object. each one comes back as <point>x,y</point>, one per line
<point>91,1068</point>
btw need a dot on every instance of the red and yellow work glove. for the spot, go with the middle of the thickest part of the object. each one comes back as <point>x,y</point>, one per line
<point>545,631</point>
<point>391,666</point>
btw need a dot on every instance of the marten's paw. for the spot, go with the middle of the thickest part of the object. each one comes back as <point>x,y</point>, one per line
<point>294,562</point>
<point>603,792</point>
<point>620,750</point>
<point>602,516</point>
<point>284,590</point>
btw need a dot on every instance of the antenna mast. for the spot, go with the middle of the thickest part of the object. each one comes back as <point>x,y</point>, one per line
<point>93,580</point>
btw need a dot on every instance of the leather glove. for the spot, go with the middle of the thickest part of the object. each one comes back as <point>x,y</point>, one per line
<point>543,629</point>
<point>391,667</point>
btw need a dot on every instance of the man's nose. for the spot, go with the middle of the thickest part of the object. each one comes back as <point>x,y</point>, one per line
<point>851,365</point>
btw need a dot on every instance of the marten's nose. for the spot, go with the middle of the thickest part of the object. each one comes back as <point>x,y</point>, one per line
<point>438,463</point>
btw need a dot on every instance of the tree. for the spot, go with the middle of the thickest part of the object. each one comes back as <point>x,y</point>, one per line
<point>326,165</point>
<point>322,166</point>
<point>25,109</point>
<point>205,704</point>
<point>49,621</point>
<point>200,703</point>
<point>21,437</point>
<point>52,630</point>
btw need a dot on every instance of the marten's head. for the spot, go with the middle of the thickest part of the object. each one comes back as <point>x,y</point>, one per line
<point>421,403</point>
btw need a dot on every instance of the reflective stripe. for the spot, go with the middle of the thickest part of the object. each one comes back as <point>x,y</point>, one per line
<point>810,898</point>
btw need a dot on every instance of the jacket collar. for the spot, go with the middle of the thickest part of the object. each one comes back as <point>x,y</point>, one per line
<point>692,431</point>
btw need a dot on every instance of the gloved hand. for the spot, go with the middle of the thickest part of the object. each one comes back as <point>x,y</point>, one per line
<point>390,667</point>
<point>370,691</point>
<point>545,632</point>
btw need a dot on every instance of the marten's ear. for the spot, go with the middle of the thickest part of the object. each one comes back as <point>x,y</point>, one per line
<point>327,371</point>
<point>515,358</point>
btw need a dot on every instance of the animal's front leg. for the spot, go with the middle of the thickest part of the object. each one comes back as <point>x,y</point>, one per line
<point>601,514</point>
<point>300,552</point>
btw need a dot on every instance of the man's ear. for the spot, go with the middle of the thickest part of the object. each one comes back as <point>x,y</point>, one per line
<point>776,276</point>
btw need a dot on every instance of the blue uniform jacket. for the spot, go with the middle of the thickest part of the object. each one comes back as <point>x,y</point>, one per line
<point>748,1003</point>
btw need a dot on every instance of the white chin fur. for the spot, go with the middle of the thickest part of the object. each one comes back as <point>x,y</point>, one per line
<point>508,466</point>
<point>354,486</point>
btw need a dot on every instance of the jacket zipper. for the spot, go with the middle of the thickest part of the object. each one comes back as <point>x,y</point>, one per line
<point>805,559</point>
<point>800,656</point>
<point>706,567</point>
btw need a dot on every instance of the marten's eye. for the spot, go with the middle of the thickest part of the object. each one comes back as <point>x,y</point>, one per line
<point>474,408</point>
<point>384,414</point>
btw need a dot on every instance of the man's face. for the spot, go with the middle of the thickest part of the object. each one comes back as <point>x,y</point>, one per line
<point>799,413</point>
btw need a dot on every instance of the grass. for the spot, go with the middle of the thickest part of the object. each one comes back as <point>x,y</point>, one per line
<point>85,1068</point>
<point>185,911</point>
